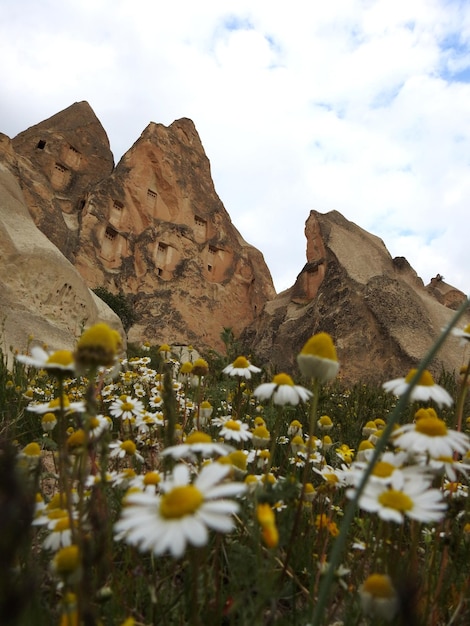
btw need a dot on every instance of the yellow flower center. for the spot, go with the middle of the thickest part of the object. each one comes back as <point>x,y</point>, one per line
<point>365,445</point>
<point>62,524</point>
<point>94,422</point>
<point>77,438</point>
<point>240,362</point>
<point>425,380</point>
<point>198,437</point>
<point>55,403</point>
<point>164,348</point>
<point>331,478</point>
<point>232,425</point>
<point>67,559</point>
<point>467,329</point>
<point>431,426</point>
<point>32,449</point>
<point>186,368</point>
<point>180,501</point>
<point>422,412</point>
<point>283,379</point>
<point>265,514</point>
<point>151,478</point>
<point>238,459</point>
<point>127,406</point>
<point>382,469</point>
<point>129,447</point>
<point>379,585</point>
<point>262,432</point>
<point>325,420</point>
<point>394,499</point>
<point>61,357</point>
<point>320,345</point>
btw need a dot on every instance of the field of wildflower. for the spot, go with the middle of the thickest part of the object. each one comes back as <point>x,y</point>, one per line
<point>166,487</point>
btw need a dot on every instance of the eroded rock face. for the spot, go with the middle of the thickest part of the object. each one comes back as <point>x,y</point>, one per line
<point>382,318</point>
<point>42,294</point>
<point>152,228</point>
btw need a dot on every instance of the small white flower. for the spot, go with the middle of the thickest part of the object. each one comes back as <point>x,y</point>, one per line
<point>197,443</point>
<point>411,498</point>
<point>61,361</point>
<point>241,367</point>
<point>426,389</point>
<point>182,513</point>
<point>431,435</point>
<point>236,430</point>
<point>126,407</point>
<point>282,390</point>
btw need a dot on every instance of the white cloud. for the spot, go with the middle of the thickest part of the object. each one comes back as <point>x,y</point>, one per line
<point>355,105</point>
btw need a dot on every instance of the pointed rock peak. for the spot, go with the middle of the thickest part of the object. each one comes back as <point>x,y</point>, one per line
<point>77,124</point>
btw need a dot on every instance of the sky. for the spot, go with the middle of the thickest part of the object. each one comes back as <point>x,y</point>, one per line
<point>359,106</point>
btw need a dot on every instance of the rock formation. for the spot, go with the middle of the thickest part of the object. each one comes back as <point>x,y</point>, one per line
<point>152,228</point>
<point>381,316</point>
<point>42,294</point>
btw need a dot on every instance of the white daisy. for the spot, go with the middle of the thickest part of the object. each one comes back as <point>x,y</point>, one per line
<point>379,598</point>
<point>282,390</point>
<point>425,389</point>
<point>197,443</point>
<point>126,407</point>
<point>318,358</point>
<point>430,435</point>
<point>236,430</point>
<point>241,367</point>
<point>121,449</point>
<point>182,514</point>
<point>414,499</point>
<point>55,405</point>
<point>61,361</point>
<point>462,333</point>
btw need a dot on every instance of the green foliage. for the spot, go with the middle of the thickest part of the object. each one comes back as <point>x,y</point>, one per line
<point>121,304</point>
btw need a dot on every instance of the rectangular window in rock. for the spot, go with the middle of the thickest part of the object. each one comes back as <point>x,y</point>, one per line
<point>151,198</point>
<point>41,144</point>
<point>200,228</point>
<point>110,233</point>
<point>60,175</point>
<point>71,156</point>
<point>118,205</point>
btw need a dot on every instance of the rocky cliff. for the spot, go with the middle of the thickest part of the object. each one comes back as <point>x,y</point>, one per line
<point>153,227</point>
<point>41,294</point>
<point>381,316</point>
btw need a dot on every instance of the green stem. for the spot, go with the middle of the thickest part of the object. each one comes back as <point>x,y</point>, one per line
<point>350,510</point>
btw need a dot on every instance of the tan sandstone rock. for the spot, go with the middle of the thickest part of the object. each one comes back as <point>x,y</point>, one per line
<point>382,318</point>
<point>153,228</point>
<point>41,293</point>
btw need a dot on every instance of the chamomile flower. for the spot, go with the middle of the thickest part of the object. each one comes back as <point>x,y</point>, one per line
<point>425,389</point>
<point>121,449</point>
<point>126,407</point>
<point>197,443</point>
<point>56,405</point>
<point>282,390</point>
<point>183,513</point>
<point>60,362</point>
<point>236,430</point>
<point>414,499</point>
<point>462,333</point>
<point>318,359</point>
<point>241,367</point>
<point>378,597</point>
<point>430,435</point>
